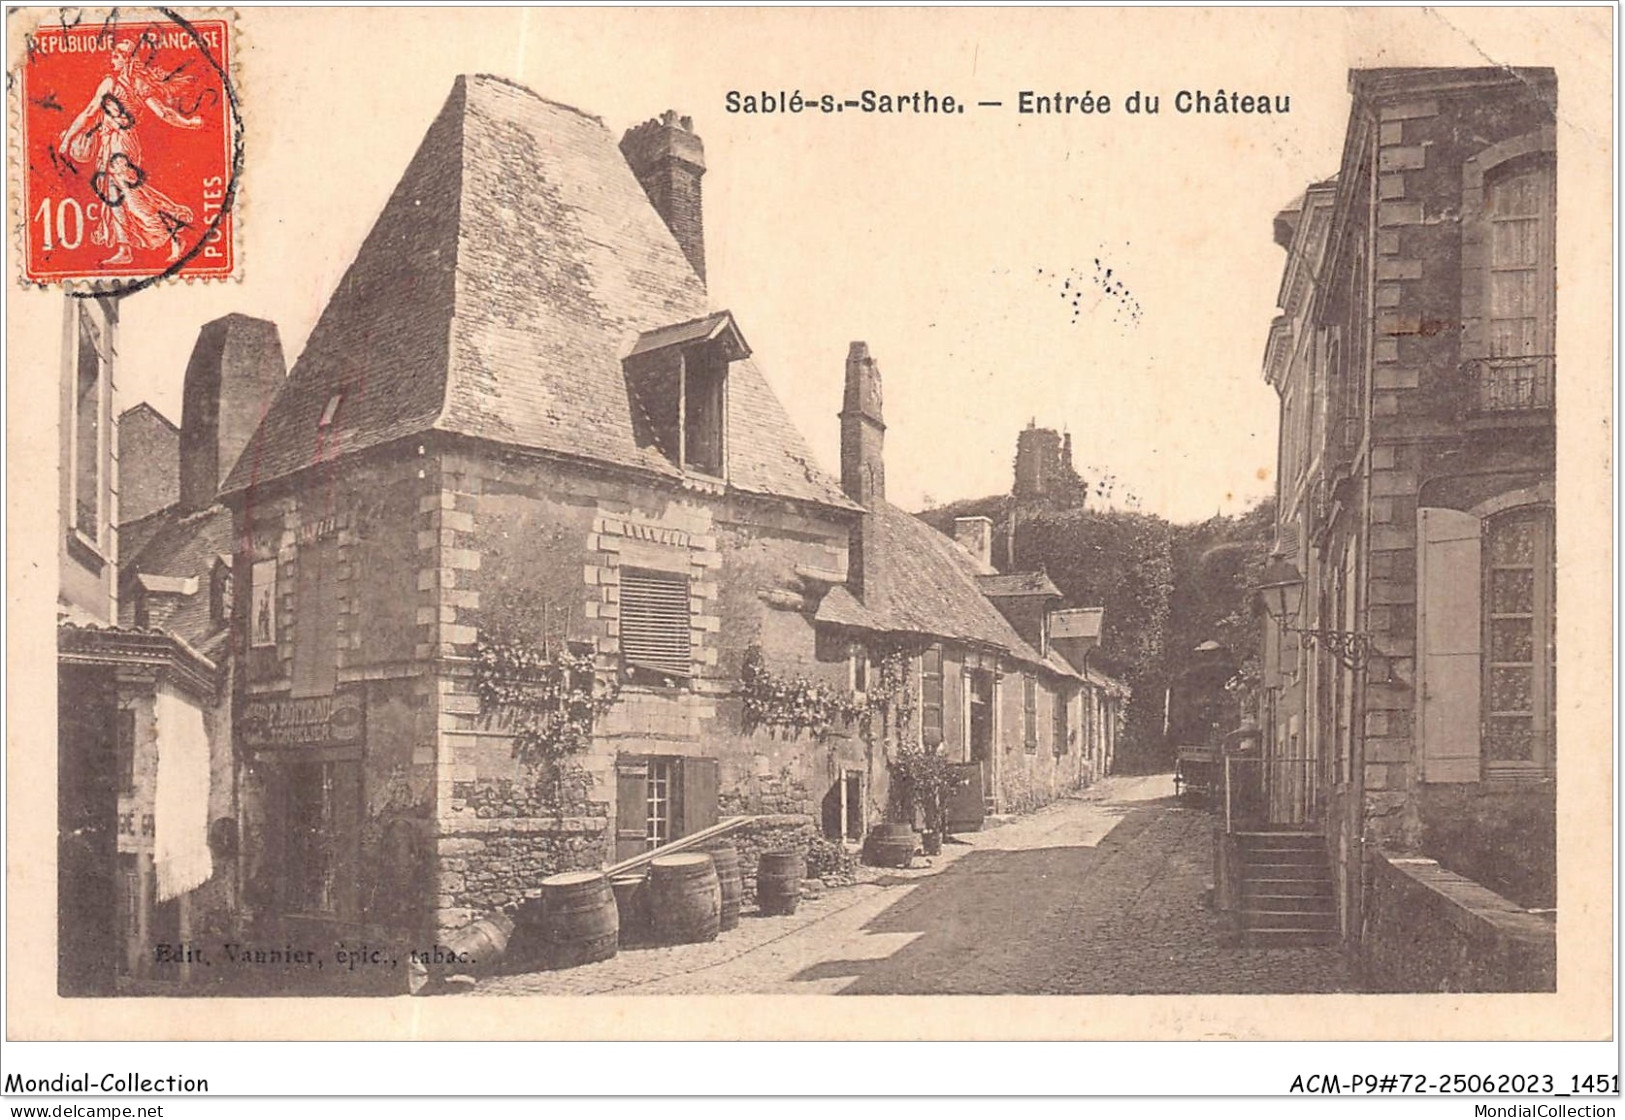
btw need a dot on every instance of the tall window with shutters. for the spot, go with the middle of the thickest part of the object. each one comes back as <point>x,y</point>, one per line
<point>1485,644</point>
<point>931,695</point>
<point>655,622</point>
<point>662,798</point>
<point>1058,700</point>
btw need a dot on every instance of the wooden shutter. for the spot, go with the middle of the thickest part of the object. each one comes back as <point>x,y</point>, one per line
<point>315,619</point>
<point>699,781</point>
<point>631,809</point>
<point>655,621</point>
<point>931,695</point>
<point>1449,641</point>
<point>1029,713</point>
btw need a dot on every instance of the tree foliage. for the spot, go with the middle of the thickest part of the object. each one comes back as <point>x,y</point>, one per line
<point>1166,589</point>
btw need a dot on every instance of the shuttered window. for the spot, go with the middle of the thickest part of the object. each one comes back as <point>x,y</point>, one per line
<point>655,621</point>
<point>1058,699</point>
<point>931,695</point>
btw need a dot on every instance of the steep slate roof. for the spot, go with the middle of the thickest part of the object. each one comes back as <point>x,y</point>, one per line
<point>918,581</point>
<point>182,546</point>
<point>508,276</point>
<point>1018,585</point>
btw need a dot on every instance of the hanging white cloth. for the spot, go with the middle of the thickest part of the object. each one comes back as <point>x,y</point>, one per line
<point>181,801</point>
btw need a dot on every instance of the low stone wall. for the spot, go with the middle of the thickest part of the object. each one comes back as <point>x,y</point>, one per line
<point>494,864</point>
<point>1504,837</point>
<point>1430,930</point>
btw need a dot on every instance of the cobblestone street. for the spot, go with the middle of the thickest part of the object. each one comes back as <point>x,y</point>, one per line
<point>1100,894</point>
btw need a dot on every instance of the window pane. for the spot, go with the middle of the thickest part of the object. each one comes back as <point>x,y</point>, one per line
<point>87,431</point>
<point>1512,591</point>
<point>1509,739</point>
<point>1510,689</point>
<point>1515,196</point>
<point>1512,338</point>
<point>1512,294</point>
<point>1512,543</point>
<point>1511,639</point>
<point>1515,242</point>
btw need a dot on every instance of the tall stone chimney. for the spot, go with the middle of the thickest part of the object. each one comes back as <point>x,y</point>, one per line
<point>863,464</point>
<point>863,431</point>
<point>669,160</point>
<point>235,370</point>
<point>975,535</point>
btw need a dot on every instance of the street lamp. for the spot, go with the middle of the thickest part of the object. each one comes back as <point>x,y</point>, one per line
<point>1281,592</point>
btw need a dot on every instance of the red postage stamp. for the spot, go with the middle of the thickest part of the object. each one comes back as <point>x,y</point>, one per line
<point>131,150</point>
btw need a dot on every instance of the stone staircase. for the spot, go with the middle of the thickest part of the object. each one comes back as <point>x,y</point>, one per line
<point>1286,890</point>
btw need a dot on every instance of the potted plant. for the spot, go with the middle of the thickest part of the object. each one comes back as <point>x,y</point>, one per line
<point>925,781</point>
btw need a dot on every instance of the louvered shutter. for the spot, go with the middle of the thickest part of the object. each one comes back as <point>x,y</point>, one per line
<point>700,780</point>
<point>655,621</point>
<point>1449,643</point>
<point>931,695</point>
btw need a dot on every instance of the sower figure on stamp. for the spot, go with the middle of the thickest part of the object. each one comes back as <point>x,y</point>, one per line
<point>133,211</point>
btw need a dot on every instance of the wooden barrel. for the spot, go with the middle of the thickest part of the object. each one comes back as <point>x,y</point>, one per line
<point>892,851</point>
<point>685,898</point>
<point>579,920</point>
<point>892,846</point>
<point>632,905</point>
<point>732,884</point>
<point>778,881</point>
<point>473,949</point>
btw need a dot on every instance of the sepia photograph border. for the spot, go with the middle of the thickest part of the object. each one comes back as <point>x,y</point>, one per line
<point>1581,1008</point>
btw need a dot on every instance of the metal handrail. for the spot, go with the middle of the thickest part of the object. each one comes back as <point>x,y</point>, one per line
<point>1511,383</point>
<point>1288,790</point>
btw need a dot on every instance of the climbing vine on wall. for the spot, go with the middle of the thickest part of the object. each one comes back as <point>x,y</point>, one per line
<point>792,705</point>
<point>891,695</point>
<point>549,698</point>
<point>796,705</point>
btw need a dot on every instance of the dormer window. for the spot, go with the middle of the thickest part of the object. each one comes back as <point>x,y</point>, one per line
<point>220,591</point>
<point>330,412</point>
<point>677,379</point>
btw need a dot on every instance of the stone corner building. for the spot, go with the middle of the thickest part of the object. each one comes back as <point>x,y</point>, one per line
<point>1416,363</point>
<point>519,415</point>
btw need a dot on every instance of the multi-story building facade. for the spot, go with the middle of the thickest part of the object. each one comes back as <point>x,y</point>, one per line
<point>521,447</point>
<point>1409,702</point>
<point>145,798</point>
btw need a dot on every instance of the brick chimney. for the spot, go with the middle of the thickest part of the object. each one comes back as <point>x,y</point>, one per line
<point>235,370</point>
<point>975,535</point>
<point>669,160</point>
